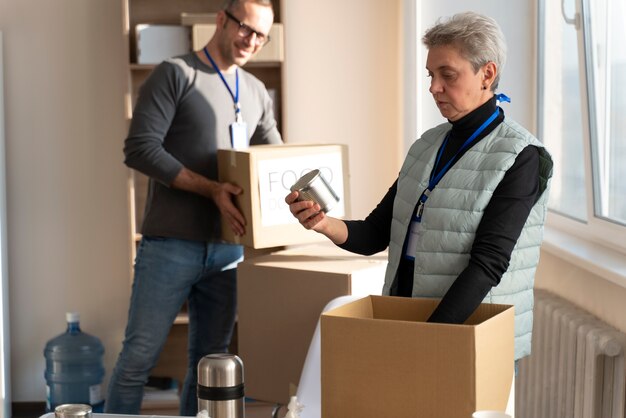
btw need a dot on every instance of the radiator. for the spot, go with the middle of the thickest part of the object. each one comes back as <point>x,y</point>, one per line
<point>576,369</point>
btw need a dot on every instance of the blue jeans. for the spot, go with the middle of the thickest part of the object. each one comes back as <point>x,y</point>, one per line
<point>167,272</point>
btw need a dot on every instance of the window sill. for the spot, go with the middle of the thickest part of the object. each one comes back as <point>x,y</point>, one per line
<point>597,259</point>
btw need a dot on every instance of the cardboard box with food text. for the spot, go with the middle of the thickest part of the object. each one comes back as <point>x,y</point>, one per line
<point>280,299</point>
<point>265,173</point>
<point>380,358</point>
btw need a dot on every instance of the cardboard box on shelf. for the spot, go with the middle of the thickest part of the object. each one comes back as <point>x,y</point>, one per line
<point>156,43</point>
<point>280,299</point>
<point>380,358</point>
<point>265,173</point>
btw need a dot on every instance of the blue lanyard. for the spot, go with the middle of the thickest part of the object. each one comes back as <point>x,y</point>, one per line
<point>435,176</point>
<point>234,96</point>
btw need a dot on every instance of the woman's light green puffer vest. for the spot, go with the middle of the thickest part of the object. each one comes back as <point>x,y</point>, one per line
<point>452,215</point>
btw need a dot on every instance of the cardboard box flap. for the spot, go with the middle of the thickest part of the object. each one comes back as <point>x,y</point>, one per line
<point>404,309</point>
<point>486,311</point>
<point>314,263</point>
<point>386,307</point>
<point>495,372</point>
<point>361,308</point>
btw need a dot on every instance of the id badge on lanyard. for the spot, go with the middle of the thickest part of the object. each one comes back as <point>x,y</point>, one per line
<point>413,235</point>
<point>238,129</point>
<point>239,133</point>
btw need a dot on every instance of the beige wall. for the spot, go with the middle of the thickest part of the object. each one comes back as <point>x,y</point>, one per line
<point>66,192</point>
<point>343,85</point>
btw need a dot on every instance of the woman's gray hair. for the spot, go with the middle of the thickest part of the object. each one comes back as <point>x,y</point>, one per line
<point>478,39</point>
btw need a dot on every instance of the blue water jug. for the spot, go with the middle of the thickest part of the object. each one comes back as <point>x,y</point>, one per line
<point>74,370</point>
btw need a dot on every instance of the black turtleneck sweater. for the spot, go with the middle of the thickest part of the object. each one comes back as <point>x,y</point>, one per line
<point>496,235</point>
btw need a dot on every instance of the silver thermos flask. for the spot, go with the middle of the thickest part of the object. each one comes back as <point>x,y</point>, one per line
<point>220,386</point>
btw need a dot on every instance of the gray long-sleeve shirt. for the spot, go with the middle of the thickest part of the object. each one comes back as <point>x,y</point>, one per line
<point>182,118</point>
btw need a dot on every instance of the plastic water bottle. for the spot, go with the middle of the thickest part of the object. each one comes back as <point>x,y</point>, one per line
<point>74,370</point>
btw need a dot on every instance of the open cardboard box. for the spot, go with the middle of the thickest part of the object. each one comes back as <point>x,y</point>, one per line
<point>265,173</point>
<point>381,359</point>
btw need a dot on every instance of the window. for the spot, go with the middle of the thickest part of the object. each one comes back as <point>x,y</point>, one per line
<point>607,89</point>
<point>582,100</point>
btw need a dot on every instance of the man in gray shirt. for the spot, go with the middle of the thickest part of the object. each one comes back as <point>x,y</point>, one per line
<point>189,107</point>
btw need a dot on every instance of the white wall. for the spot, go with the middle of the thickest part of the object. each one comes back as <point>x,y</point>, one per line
<point>518,22</point>
<point>67,206</point>
<point>343,84</point>
<point>590,291</point>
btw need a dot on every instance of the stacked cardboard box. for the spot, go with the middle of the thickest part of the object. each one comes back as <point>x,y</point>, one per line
<point>281,297</point>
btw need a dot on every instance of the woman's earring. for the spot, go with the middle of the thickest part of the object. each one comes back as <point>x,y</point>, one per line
<point>484,87</point>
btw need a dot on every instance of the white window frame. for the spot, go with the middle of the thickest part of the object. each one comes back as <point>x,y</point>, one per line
<point>596,229</point>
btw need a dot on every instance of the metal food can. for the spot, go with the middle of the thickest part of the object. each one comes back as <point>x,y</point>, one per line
<point>73,410</point>
<point>313,186</point>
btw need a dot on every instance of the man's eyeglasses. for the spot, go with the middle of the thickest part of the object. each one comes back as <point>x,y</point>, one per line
<point>245,31</point>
